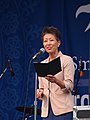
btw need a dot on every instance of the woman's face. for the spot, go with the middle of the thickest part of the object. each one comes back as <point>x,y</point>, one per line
<point>50,43</point>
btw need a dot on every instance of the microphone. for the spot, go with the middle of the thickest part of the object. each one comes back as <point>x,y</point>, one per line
<point>10,68</point>
<point>81,67</point>
<point>41,51</point>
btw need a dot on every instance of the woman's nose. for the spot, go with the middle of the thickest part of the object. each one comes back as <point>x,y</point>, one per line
<point>48,42</point>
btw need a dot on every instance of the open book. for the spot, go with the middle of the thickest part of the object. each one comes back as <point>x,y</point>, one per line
<point>50,68</point>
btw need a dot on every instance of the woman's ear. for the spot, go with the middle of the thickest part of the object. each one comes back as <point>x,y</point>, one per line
<point>59,43</point>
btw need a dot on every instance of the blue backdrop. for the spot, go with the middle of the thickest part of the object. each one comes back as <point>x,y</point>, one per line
<point>21,23</point>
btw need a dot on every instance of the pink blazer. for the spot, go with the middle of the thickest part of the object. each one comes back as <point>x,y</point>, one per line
<point>61,101</point>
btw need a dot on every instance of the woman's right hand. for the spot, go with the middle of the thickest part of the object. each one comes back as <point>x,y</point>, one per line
<point>39,94</point>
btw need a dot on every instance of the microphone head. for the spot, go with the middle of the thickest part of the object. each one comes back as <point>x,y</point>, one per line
<point>42,50</point>
<point>9,65</point>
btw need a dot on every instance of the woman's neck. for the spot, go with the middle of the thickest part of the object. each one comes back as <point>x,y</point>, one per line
<point>52,56</point>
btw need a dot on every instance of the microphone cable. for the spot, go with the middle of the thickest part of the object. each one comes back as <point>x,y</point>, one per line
<point>27,90</point>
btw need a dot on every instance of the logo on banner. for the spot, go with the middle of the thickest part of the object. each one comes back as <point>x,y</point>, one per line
<point>84,9</point>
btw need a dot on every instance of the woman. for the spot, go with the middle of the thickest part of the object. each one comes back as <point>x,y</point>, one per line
<point>55,91</point>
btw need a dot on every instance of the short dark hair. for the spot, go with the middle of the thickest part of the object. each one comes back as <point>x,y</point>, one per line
<point>51,30</point>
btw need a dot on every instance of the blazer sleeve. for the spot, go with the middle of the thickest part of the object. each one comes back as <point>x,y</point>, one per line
<point>69,71</point>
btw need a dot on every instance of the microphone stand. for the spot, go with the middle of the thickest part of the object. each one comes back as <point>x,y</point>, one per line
<point>8,66</point>
<point>35,100</point>
<point>89,67</point>
<point>3,72</point>
<point>75,89</point>
<point>42,50</point>
<point>80,74</point>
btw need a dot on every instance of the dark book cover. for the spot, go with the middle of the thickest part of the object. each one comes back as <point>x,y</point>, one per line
<point>50,68</point>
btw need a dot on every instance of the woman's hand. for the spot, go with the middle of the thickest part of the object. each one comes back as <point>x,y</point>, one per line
<point>39,94</point>
<point>51,78</point>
